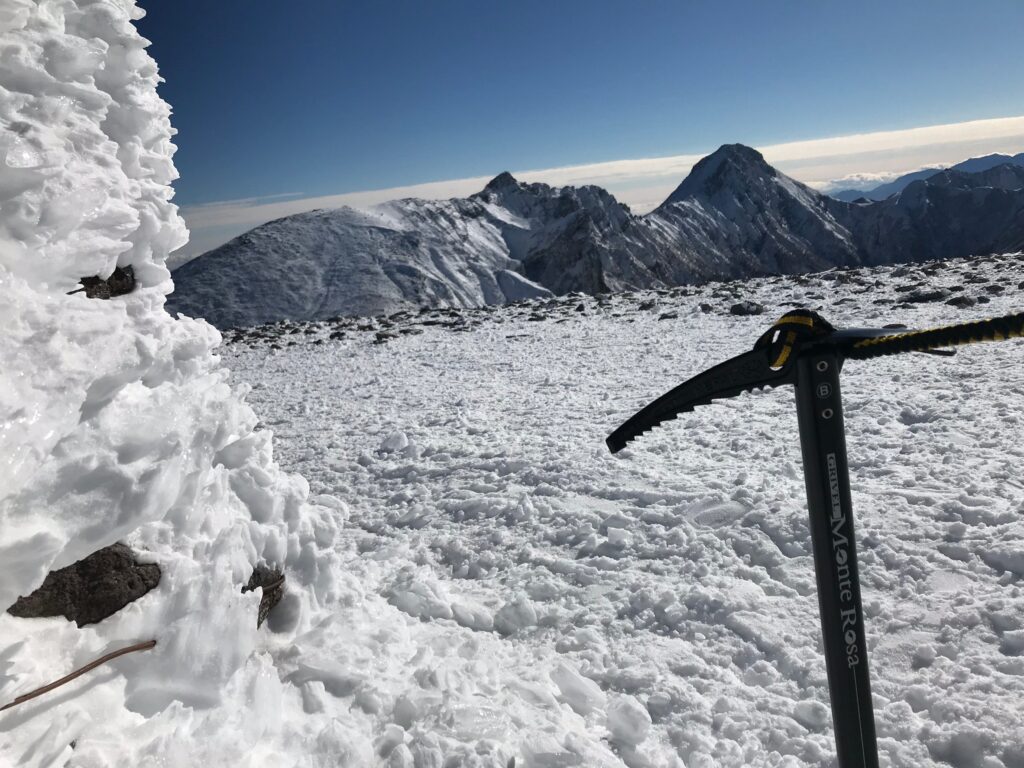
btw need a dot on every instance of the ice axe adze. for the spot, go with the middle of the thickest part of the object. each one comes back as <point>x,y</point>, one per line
<point>804,350</point>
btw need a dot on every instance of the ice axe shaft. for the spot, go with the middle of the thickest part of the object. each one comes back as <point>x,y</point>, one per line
<point>819,411</point>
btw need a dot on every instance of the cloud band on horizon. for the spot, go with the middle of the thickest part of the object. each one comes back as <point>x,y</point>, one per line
<point>644,183</point>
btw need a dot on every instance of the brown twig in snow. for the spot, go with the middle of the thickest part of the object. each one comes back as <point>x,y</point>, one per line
<point>78,672</point>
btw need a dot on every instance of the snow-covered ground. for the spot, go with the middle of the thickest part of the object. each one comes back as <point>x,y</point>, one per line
<point>536,597</point>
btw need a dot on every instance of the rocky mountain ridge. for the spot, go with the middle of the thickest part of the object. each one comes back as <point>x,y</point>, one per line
<point>882,191</point>
<point>960,283</point>
<point>734,216</point>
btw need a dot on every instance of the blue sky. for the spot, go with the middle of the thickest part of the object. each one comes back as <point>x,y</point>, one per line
<point>322,98</point>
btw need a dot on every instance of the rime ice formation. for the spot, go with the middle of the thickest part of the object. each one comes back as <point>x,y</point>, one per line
<point>117,422</point>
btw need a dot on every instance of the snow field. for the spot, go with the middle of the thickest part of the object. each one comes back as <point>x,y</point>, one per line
<point>666,595</point>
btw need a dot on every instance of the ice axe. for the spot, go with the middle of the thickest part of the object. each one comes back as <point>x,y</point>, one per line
<point>803,349</point>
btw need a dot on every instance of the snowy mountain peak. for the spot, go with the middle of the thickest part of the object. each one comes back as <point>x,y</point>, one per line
<point>521,198</point>
<point>541,202</point>
<point>737,156</point>
<point>730,166</point>
<point>503,180</point>
<point>735,209</point>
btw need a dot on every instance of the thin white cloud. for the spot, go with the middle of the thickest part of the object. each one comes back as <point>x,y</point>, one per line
<point>244,202</point>
<point>853,181</point>
<point>643,183</point>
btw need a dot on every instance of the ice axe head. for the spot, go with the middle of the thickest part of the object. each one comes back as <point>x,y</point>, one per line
<point>771,363</point>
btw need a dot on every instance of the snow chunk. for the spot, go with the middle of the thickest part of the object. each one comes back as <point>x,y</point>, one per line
<point>419,595</point>
<point>813,715</point>
<point>628,720</point>
<point>472,615</point>
<point>396,441</point>
<point>514,616</point>
<point>545,751</point>
<point>1006,558</point>
<point>1012,643</point>
<point>579,692</point>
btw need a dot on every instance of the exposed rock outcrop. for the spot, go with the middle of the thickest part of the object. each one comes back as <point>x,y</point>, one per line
<point>92,589</point>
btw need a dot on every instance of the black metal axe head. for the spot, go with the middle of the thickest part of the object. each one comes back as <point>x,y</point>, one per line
<point>770,362</point>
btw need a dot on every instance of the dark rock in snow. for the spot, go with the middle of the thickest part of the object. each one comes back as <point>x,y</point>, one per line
<point>963,300</point>
<point>747,308</point>
<point>120,282</point>
<point>271,581</point>
<point>924,295</point>
<point>92,589</point>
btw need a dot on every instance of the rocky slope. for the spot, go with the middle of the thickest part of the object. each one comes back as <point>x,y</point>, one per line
<point>952,213</point>
<point>734,216</point>
<point>743,217</point>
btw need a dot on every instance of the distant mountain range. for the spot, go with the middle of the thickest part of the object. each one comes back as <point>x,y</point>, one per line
<point>973,165</point>
<point>734,216</point>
